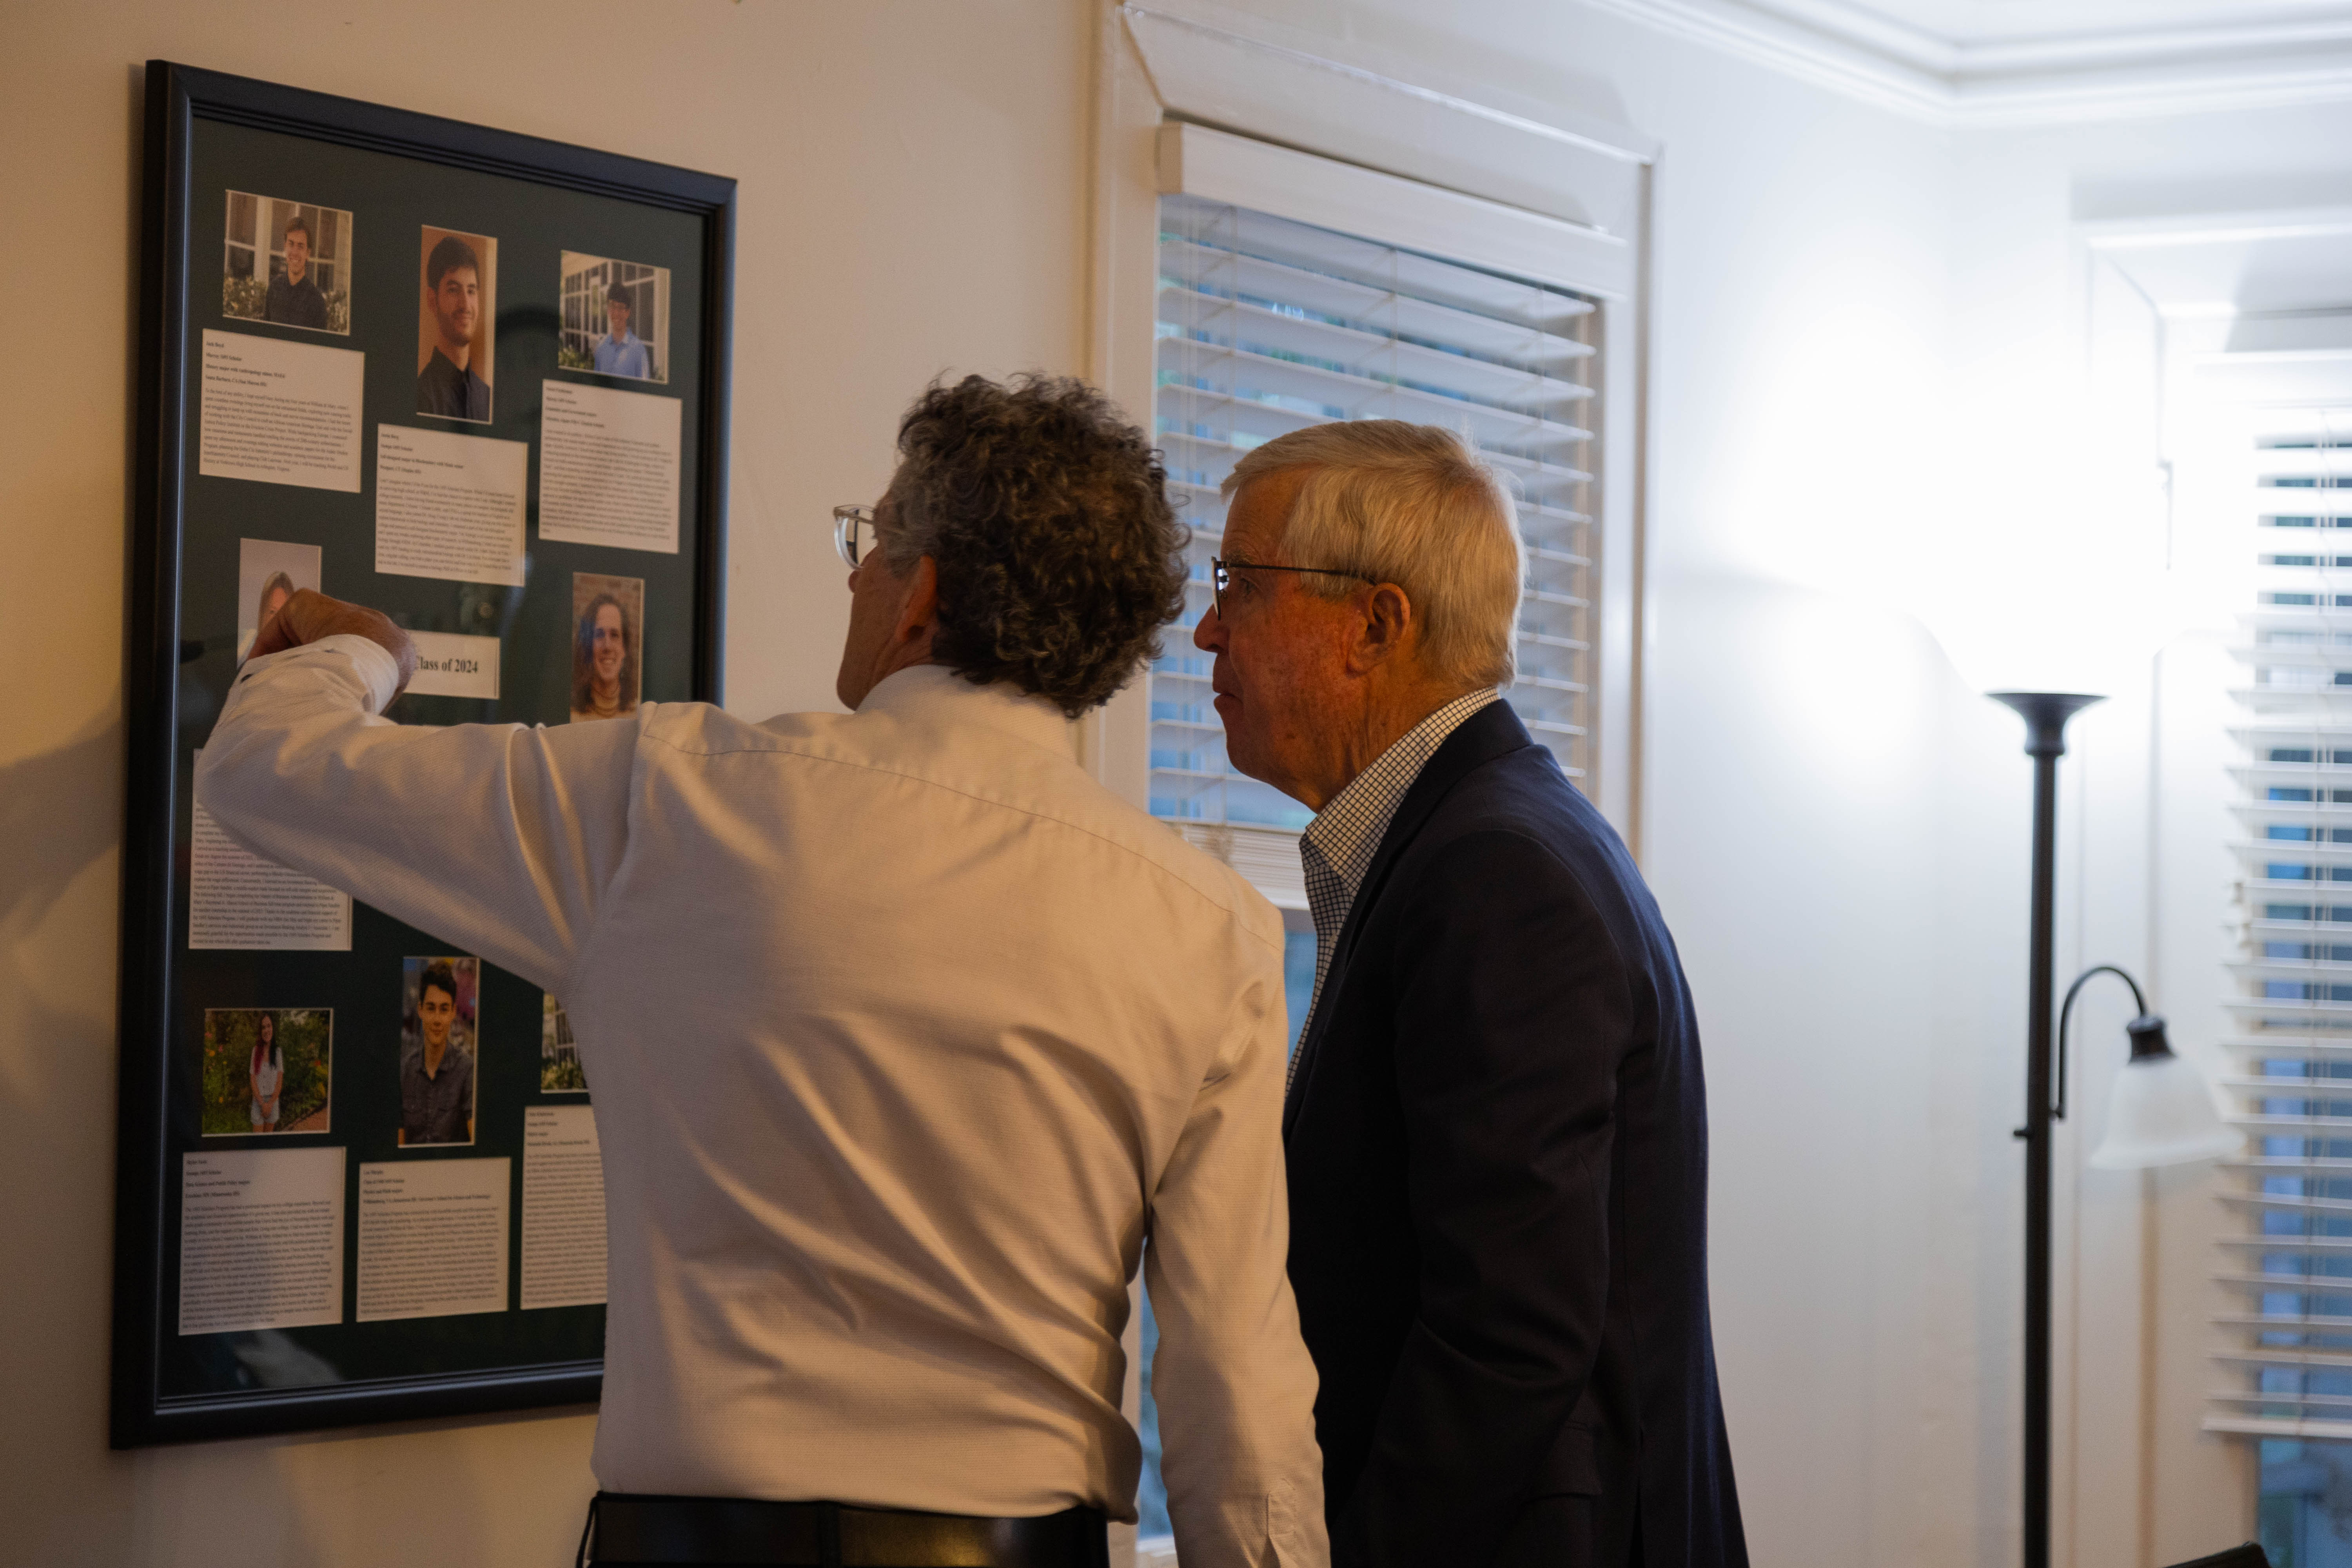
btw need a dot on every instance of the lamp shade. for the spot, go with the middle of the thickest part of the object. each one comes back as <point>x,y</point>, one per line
<point>2161,1112</point>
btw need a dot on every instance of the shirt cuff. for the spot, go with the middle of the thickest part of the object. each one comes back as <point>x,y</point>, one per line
<point>378,669</point>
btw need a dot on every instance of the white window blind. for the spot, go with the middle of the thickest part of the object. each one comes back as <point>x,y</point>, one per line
<point>1267,326</point>
<point>2287,1350</point>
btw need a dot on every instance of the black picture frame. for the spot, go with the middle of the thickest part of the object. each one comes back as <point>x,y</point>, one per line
<point>183,105</point>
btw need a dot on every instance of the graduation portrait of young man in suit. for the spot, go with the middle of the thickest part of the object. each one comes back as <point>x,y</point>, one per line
<point>1496,1127</point>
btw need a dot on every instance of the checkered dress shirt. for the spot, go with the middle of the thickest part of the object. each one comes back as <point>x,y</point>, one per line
<point>1337,847</point>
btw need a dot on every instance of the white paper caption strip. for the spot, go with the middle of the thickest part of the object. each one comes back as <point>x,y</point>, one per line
<point>448,665</point>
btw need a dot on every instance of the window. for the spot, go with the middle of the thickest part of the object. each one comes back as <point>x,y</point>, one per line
<point>2288,1357</point>
<point>238,262</point>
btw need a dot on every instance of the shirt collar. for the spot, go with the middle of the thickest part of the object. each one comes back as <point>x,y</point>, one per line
<point>1347,831</point>
<point>932,693</point>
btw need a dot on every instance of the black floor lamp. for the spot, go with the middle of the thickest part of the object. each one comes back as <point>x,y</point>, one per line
<point>2161,1114</point>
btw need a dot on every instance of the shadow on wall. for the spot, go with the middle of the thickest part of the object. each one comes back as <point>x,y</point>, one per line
<point>60,813</point>
<point>56,816</point>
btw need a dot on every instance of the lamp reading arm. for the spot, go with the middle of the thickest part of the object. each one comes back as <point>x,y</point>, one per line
<point>2066,1011</point>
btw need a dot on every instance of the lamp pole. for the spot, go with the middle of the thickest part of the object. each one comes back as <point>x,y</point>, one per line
<point>2045,714</point>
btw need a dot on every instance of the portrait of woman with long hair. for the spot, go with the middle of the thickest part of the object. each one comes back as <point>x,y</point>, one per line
<point>604,651</point>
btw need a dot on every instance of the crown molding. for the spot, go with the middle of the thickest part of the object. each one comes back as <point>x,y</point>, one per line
<point>2114,75</point>
<point>1821,59</point>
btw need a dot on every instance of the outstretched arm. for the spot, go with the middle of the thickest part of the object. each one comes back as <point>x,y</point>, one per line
<point>499,838</point>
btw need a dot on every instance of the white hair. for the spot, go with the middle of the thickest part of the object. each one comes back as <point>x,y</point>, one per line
<point>1415,506</point>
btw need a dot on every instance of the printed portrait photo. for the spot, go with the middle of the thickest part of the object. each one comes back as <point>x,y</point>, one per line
<point>268,573</point>
<point>437,1049</point>
<point>558,1056</point>
<point>458,276</point>
<point>608,618</point>
<point>615,318</point>
<point>268,1069</point>
<point>289,263</point>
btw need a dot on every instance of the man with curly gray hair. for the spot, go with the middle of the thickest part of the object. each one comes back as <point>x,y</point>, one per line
<point>904,1033</point>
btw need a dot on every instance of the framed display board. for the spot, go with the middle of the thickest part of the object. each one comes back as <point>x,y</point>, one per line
<point>477,381</point>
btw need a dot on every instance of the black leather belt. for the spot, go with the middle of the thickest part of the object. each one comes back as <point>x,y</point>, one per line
<point>632,1529</point>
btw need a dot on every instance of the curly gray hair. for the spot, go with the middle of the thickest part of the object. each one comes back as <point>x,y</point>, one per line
<point>1047,513</point>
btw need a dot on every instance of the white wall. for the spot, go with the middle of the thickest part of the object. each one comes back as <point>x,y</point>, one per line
<point>913,182</point>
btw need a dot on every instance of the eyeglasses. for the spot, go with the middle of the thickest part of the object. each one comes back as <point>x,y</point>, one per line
<point>853,532</point>
<point>1220,576</point>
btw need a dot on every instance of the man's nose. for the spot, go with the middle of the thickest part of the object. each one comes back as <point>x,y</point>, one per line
<point>1209,630</point>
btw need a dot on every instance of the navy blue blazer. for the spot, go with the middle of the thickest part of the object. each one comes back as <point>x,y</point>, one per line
<point>1496,1142</point>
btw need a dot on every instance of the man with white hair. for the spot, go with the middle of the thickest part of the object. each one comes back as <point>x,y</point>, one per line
<point>1496,1126</point>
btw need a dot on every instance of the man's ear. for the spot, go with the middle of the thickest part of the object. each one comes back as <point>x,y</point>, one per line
<point>920,609</point>
<point>1387,626</point>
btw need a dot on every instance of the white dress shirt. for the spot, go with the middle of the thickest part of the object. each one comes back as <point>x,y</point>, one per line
<point>903,1033</point>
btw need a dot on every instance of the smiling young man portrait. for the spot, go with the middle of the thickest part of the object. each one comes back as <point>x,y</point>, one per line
<point>437,1064</point>
<point>456,287</point>
<point>295,299</point>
